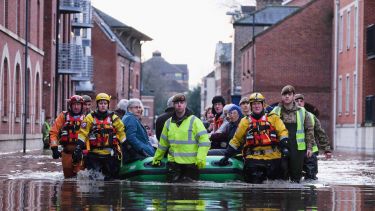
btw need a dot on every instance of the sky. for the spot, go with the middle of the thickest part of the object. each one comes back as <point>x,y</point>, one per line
<point>184,31</point>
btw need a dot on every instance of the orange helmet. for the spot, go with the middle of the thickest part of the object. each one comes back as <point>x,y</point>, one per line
<point>75,99</point>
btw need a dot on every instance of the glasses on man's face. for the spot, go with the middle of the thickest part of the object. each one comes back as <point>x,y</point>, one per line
<point>136,107</point>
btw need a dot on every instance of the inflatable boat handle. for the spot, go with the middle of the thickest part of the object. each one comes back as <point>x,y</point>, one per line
<point>149,165</point>
<point>216,163</point>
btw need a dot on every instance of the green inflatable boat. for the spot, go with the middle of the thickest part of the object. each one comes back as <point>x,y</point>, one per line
<point>142,170</point>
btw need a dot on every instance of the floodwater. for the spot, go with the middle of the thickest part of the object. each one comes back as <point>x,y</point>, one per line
<point>33,181</point>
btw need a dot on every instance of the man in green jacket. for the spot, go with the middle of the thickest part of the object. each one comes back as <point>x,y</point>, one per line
<point>301,131</point>
<point>186,140</point>
<point>45,132</point>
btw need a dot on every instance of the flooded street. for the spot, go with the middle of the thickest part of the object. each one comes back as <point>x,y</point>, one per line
<point>34,181</point>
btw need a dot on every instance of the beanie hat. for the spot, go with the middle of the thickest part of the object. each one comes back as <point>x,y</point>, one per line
<point>218,99</point>
<point>238,109</point>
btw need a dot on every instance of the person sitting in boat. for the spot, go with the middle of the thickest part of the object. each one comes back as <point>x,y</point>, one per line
<point>263,135</point>
<point>121,108</point>
<point>151,137</point>
<point>226,118</point>
<point>218,103</point>
<point>159,123</point>
<point>219,141</point>
<point>102,132</point>
<point>208,119</point>
<point>137,145</point>
<point>186,138</point>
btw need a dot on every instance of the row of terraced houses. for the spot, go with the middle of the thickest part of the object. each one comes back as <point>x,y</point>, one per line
<point>325,48</point>
<point>48,51</point>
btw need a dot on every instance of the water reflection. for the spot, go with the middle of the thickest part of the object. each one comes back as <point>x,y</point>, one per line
<point>35,182</point>
<point>118,195</point>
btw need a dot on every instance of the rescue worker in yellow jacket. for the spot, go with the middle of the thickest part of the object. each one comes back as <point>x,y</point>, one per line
<point>301,131</point>
<point>263,137</point>
<point>186,138</point>
<point>101,133</point>
<point>64,132</point>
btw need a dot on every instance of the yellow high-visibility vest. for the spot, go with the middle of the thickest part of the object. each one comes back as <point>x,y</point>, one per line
<point>185,143</point>
<point>300,133</point>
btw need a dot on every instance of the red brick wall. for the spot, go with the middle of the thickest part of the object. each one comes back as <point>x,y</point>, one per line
<point>148,103</point>
<point>346,64</point>
<point>13,50</point>
<point>297,51</point>
<point>136,80</point>
<point>225,81</point>
<point>368,65</point>
<point>347,60</point>
<point>49,58</point>
<point>49,43</point>
<point>242,35</point>
<point>105,64</point>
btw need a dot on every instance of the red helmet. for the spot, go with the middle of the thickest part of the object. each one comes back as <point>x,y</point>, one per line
<point>75,99</point>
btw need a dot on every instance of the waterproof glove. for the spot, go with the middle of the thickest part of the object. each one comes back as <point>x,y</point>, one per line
<point>56,154</point>
<point>77,154</point>
<point>201,163</point>
<point>155,162</point>
<point>230,151</point>
<point>223,161</point>
<point>284,142</point>
<point>284,147</point>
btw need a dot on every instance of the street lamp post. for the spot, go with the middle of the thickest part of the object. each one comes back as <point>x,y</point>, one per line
<point>26,109</point>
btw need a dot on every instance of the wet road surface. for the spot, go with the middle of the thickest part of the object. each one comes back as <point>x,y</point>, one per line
<point>34,181</point>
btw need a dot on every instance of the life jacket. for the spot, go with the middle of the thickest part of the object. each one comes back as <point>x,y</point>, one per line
<point>69,131</point>
<point>103,133</point>
<point>260,133</point>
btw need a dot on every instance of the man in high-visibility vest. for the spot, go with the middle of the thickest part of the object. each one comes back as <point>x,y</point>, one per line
<point>301,131</point>
<point>310,166</point>
<point>186,140</point>
<point>45,132</point>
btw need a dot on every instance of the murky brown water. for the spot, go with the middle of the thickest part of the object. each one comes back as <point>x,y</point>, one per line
<point>34,182</point>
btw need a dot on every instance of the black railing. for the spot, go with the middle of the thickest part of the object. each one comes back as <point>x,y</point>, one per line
<point>70,6</point>
<point>70,59</point>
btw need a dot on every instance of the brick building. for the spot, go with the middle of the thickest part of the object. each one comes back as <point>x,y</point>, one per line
<point>60,78</point>
<point>296,51</point>
<point>223,63</point>
<point>354,75</point>
<point>253,23</point>
<point>49,82</point>
<point>14,73</point>
<point>117,49</point>
<point>149,111</point>
<point>207,91</point>
<point>162,80</point>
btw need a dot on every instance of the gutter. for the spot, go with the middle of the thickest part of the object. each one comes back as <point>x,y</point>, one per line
<point>335,67</point>
<point>357,75</point>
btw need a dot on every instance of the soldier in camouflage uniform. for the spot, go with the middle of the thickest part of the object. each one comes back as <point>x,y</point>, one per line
<point>310,166</point>
<point>301,132</point>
